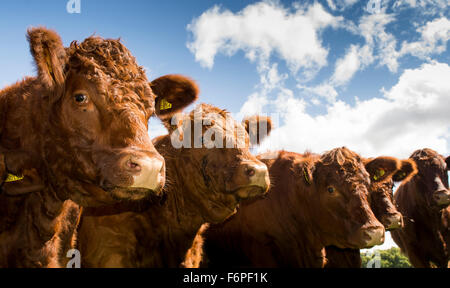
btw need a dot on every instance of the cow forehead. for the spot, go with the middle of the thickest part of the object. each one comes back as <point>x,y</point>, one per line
<point>217,120</point>
<point>107,61</point>
<point>434,161</point>
<point>353,174</point>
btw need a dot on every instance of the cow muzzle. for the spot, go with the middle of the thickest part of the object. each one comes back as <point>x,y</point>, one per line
<point>147,173</point>
<point>392,221</point>
<point>257,178</point>
<point>442,198</point>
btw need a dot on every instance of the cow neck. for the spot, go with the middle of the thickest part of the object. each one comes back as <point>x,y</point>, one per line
<point>178,218</point>
<point>36,229</point>
<point>118,208</point>
<point>301,232</point>
<point>185,211</point>
<point>25,144</point>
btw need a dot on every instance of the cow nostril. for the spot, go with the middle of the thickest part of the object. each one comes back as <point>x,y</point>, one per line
<point>133,165</point>
<point>251,172</point>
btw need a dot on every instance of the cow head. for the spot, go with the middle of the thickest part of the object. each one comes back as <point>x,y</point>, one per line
<point>381,190</point>
<point>338,183</point>
<point>215,161</point>
<point>432,177</point>
<point>95,140</point>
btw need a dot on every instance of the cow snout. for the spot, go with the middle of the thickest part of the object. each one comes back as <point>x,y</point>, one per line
<point>442,197</point>
<point>256,180</point>
<point>148,173</point>
<point>393,221</point>
<point>372,236</point>
<point>258,175</point>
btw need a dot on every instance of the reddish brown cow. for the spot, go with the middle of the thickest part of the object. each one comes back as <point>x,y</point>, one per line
<point>76,131</point>
<point>382,204</point>
<point>424,202</point>
<point>315,201</point>
<point>205,185</point>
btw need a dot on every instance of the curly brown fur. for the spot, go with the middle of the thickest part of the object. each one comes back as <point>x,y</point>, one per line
<point>67,149</point>
<point>203,186</point>
<point>299,217</point>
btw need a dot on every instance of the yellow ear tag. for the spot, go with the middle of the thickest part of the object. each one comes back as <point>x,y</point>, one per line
<point>13,178</point>
<point>380,173</point>
<point>165,105</point>
<point>306,176</point>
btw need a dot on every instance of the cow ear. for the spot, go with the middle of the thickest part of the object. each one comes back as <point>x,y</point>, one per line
<point>173,94</point>
<point>258,128</point>
<point>448,163</point>
<point>407,171</point>
<point>307,175</point>
<point>381,168</point>
<point>49,55</point>
<point>304,170</point>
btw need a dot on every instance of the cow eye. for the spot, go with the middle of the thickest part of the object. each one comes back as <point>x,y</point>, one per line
<point>80,98</point>
<point>330,190</point>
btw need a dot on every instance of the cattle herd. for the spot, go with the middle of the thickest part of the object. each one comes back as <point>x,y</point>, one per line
<point>78,170</point>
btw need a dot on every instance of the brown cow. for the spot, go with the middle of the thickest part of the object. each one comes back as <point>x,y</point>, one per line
<point>424,203</point>
<point>76,131</point>
<point>315,201</point>
<point>205,185</point>
<point>382,204</point>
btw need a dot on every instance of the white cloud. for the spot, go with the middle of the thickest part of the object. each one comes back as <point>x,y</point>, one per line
<point>356,58</point>
<point>270,77</point>
<point>324,90</point>
<point>424,4</point>
<point>411,115</point>
<point>434,37</point>
<point>262,30</point>
<point>379,47</point>
<point>254,105</point>
<point>373,28</point>
<point>341,4</point>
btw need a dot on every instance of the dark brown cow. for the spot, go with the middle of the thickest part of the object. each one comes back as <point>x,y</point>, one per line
<point>315,201</point>
<point>382,204</point>
<point>76,131</point>
<point>204,185</point>
<point>424,202</point>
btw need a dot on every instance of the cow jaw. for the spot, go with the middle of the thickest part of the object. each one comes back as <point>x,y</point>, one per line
<point>221,207</point>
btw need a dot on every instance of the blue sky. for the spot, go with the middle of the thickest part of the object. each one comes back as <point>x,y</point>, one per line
<point>334,72</point>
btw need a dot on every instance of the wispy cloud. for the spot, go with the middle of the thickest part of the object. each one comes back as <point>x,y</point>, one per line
<point>263,30</point>
<point>411,115</point>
